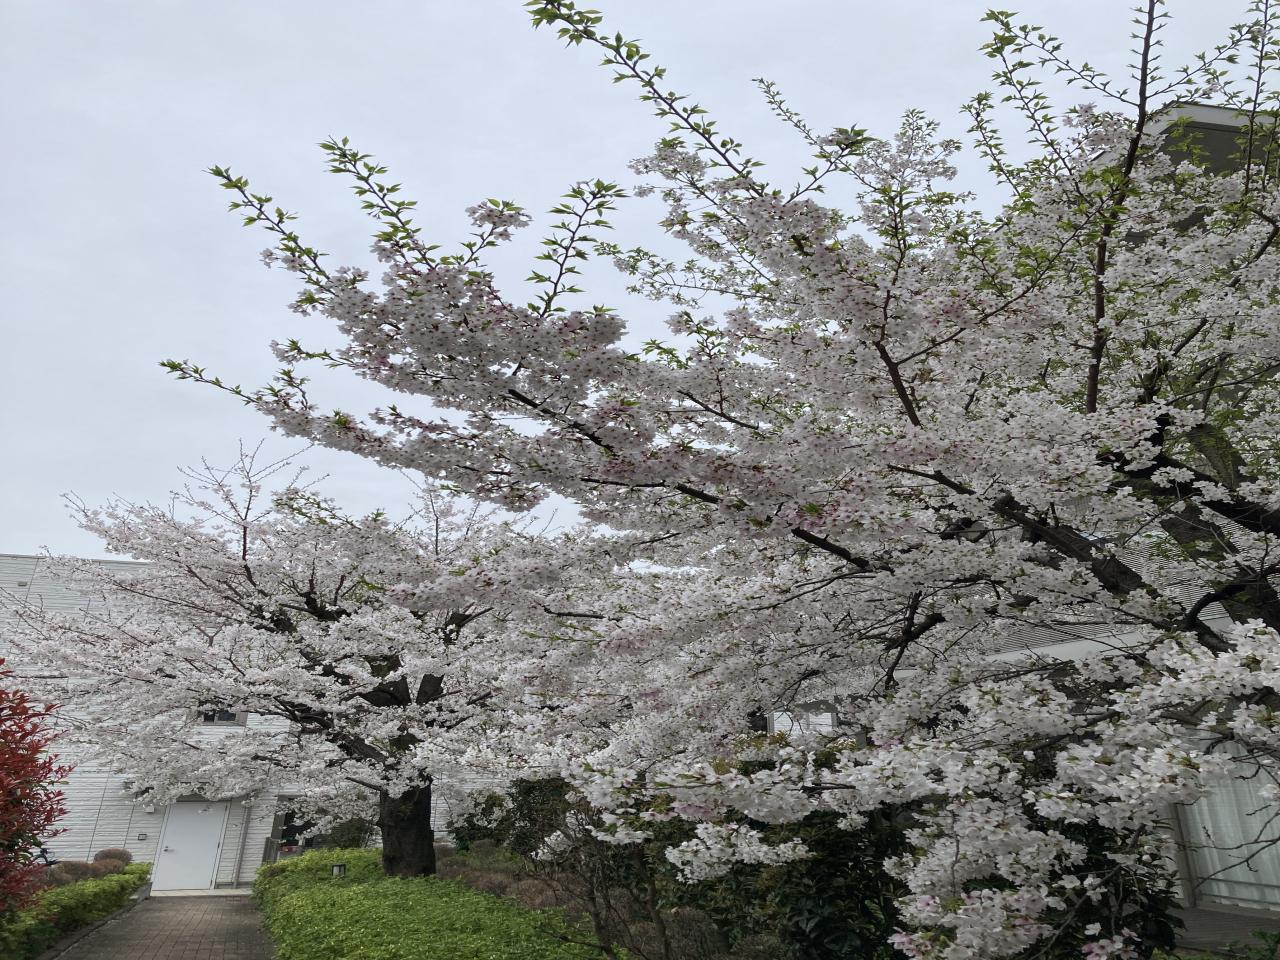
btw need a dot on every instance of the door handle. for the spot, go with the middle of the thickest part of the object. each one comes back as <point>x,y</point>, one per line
<point>167,850</point>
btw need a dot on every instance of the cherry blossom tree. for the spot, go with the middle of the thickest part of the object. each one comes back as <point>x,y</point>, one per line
<point>276,606</point>
<point>886,444</point>
<point>30,803</point>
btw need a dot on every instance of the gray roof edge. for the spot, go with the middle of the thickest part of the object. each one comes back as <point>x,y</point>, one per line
<point>58,556</point>
<point>1196,112</point>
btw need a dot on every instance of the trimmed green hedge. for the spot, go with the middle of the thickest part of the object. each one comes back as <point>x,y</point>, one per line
<point>312,916</point>
<point>277,880</point>
<point>61,910</point>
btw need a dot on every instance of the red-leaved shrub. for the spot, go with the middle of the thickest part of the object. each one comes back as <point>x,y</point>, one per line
<point>30,804</point>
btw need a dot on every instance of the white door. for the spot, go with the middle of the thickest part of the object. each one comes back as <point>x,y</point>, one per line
<point>189,843</point>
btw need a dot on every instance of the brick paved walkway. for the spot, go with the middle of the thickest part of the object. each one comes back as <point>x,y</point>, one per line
<point>179,928</point>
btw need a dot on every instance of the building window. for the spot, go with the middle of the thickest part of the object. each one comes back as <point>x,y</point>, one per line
<point>220,715</point>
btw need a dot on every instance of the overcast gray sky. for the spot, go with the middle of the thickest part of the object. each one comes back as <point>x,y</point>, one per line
<point>116,251</point>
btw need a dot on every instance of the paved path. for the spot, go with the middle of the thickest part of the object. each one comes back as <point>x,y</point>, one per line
<point>179,928</point>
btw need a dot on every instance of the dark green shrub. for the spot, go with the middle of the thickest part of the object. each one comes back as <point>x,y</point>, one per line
<point>835,905</point>
<point>484,822</point>
<point>312,916</point>
<point>520,820</point>
<point>347,835</point>
<point>60,910</point>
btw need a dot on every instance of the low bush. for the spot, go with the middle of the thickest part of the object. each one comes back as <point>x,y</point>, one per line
<point>480,853</point>
<point>313,916</point>
<point>486,881</point>
<point>73,871</point>
<point>114,853</point>
<point>67,871</point>
<point>60,910</point>
<point>277,880</point>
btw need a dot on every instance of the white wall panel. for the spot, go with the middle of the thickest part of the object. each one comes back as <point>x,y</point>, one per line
<point>100,814</point>
<point>251,825</point>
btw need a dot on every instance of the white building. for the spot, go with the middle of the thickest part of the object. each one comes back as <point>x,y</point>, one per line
<point>194,843</point>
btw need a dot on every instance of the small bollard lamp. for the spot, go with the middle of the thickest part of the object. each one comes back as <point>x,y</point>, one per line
<point>338,869</point>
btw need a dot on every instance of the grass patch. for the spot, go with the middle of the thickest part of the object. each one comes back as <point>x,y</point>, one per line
<point>314,916</point>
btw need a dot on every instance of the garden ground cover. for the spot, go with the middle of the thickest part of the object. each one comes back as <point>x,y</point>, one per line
<point>311,915</point>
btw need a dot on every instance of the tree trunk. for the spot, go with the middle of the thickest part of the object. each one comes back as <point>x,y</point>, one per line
<point>408,842</point>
